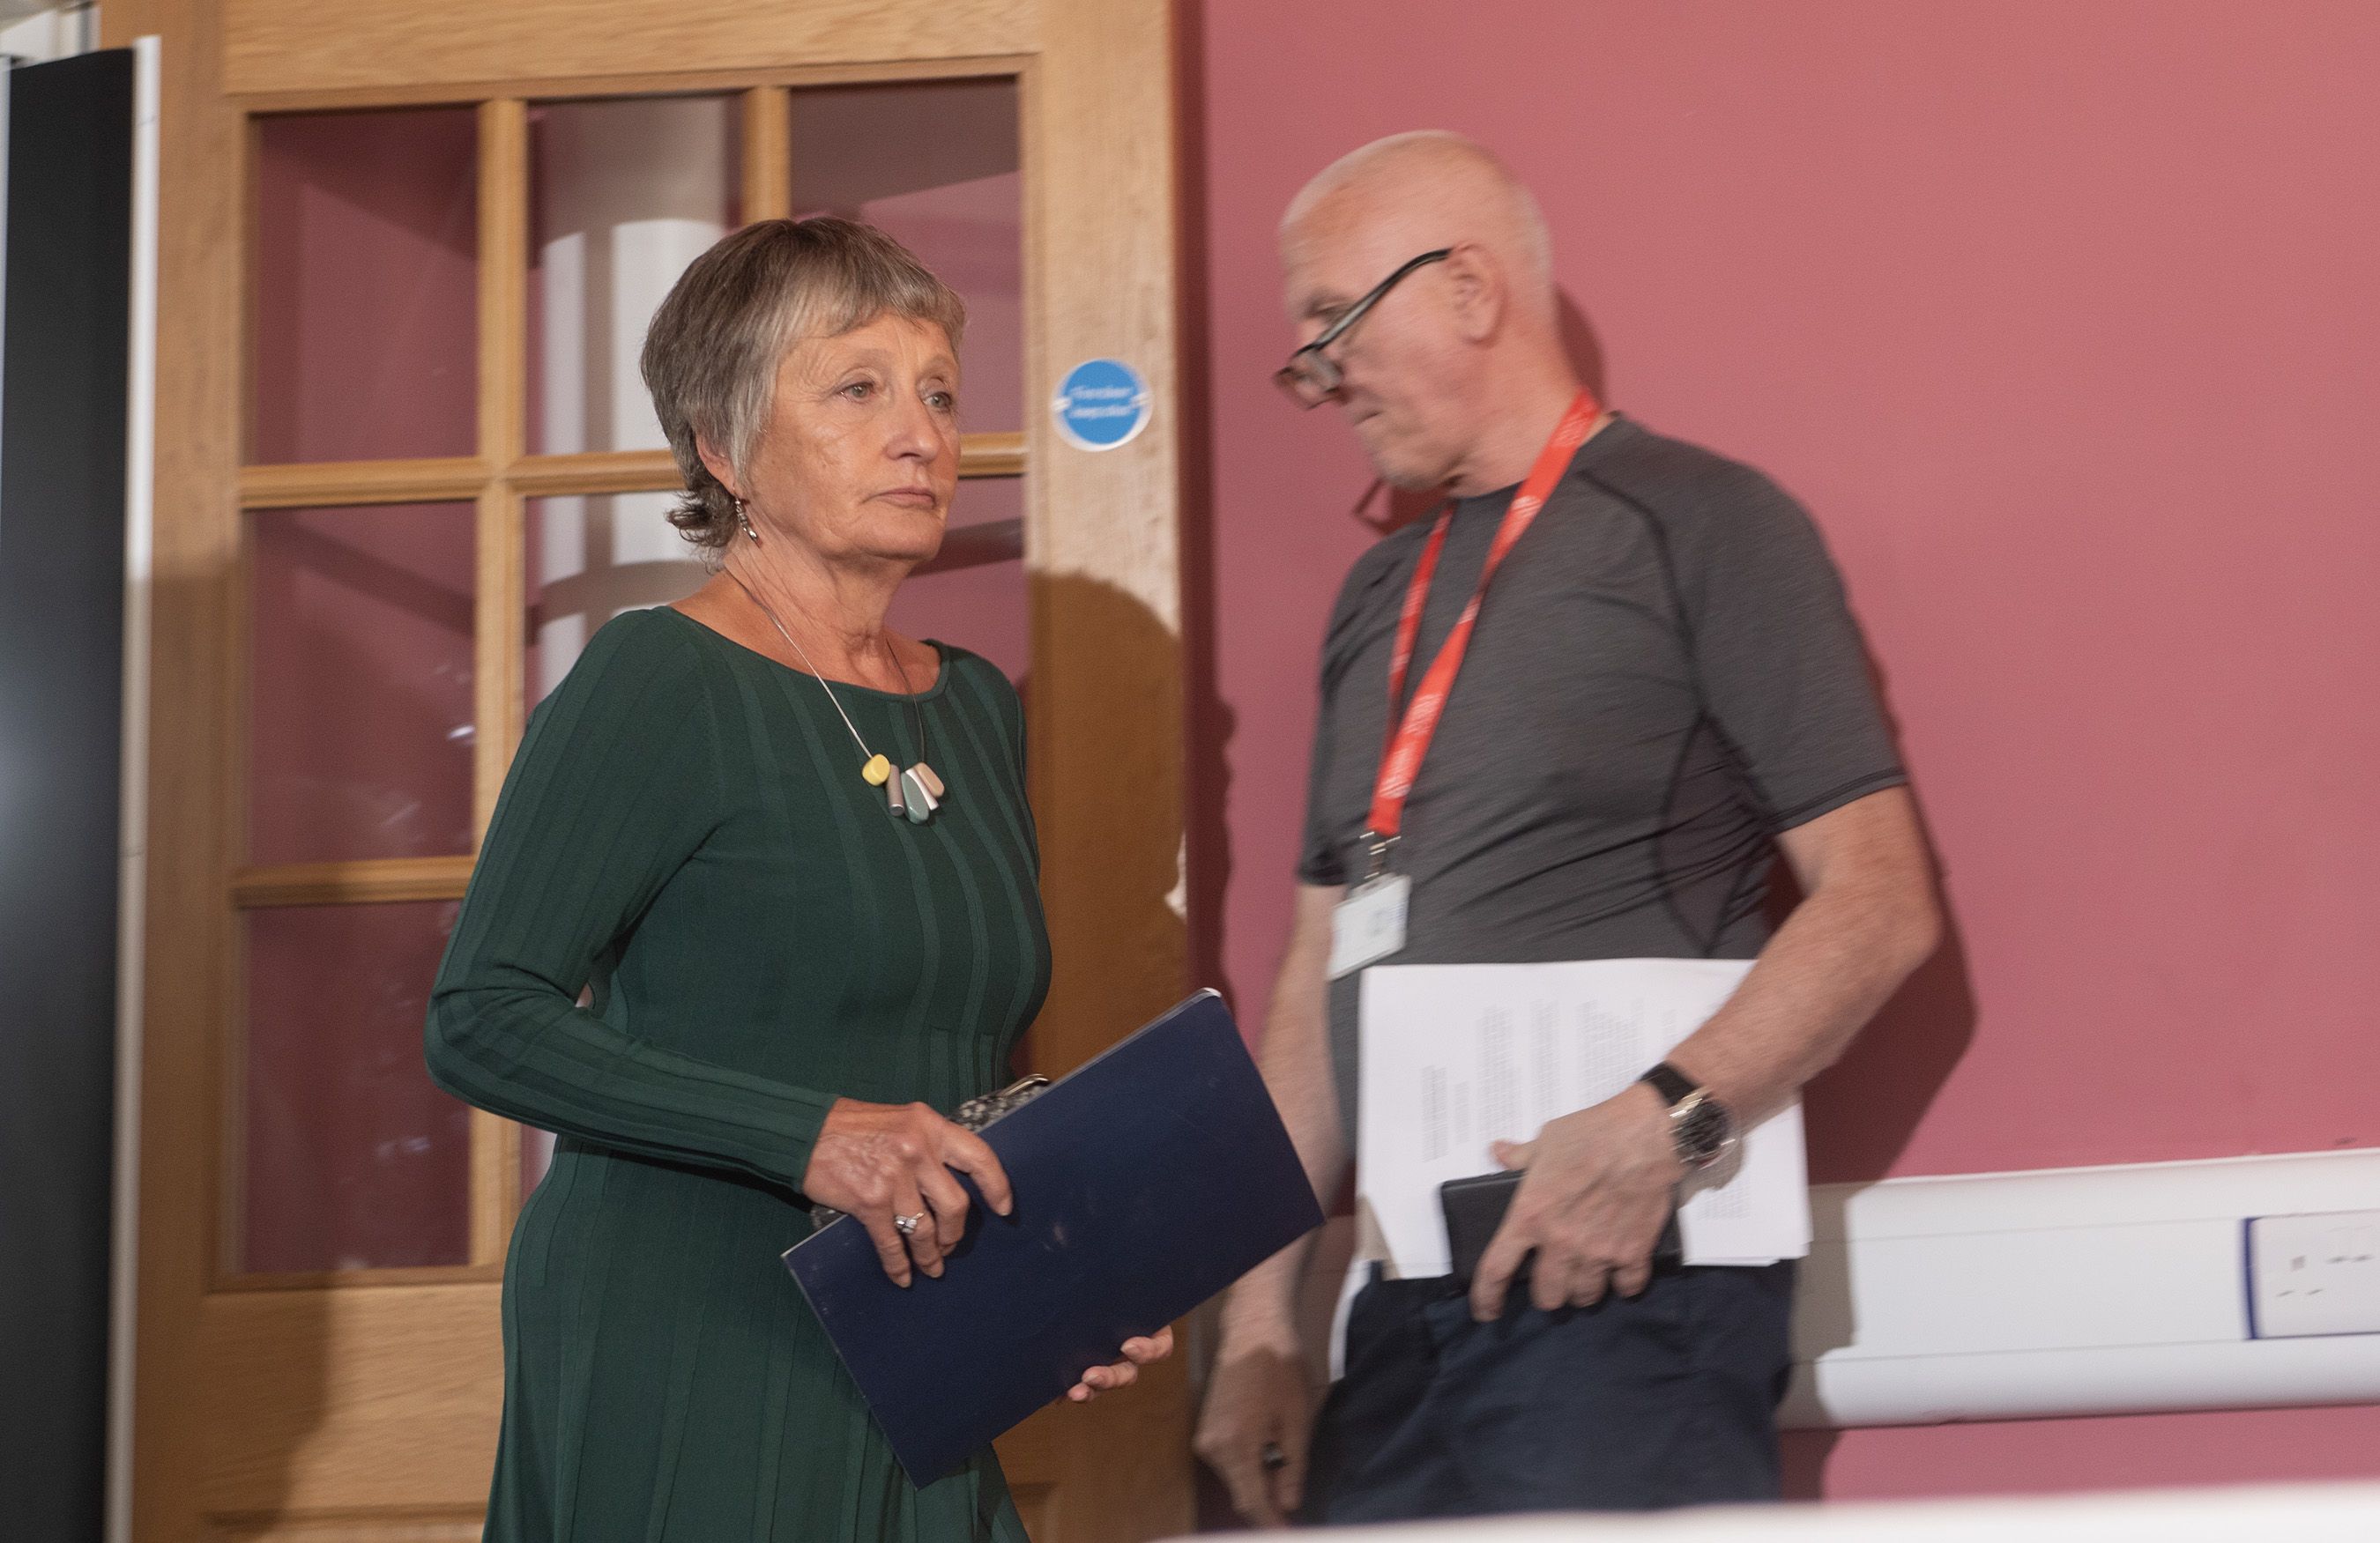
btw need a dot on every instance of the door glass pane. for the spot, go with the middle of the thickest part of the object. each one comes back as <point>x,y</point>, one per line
<point>934,162</point>
<point>624,194</point>
<point>366,294</point>
<point>974,593</point>
<point>589,558</point>
<point>359,699</point>
<point>353,1160</point>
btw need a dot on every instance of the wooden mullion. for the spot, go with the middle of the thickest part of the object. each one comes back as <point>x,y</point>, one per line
<point>503,279</point>
<point>369,1278</point>
<point>768,166</point>
<point>587,472</point>
<point>229,1243</point>
<point>499,647</point>
<point>367,881</point>
<point>250,243</point>
<point>668,82</point>
<point>595,471</point>
<point>303,485</point>
<point>991,455</point>
<point>227,1235</point>
<point>499,643</point>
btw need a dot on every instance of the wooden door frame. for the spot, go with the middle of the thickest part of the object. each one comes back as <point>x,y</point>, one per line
<point>1101,554</point>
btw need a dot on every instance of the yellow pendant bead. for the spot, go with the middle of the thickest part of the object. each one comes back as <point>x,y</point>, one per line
<point>879,771</point>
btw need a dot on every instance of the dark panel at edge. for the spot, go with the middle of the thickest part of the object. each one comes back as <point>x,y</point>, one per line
<point>62,426</point>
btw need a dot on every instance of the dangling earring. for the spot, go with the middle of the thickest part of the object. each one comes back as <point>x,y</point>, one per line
<point>746,523</point>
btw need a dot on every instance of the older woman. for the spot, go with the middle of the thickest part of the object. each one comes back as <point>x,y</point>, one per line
<point>788,850</point>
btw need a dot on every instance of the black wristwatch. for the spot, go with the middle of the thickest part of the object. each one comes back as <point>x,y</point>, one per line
<point>1701,1128</point>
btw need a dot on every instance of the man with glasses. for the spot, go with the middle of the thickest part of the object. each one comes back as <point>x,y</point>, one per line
<point>1572,714</point>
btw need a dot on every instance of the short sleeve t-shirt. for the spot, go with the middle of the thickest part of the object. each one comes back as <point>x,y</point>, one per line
<point>1664,676</point>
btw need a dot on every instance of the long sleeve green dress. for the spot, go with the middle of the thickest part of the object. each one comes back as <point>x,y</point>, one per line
<point>685,831</point>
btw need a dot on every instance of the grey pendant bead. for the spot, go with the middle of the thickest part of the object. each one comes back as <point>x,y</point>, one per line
<point>921,803</point>
<point>892,797</point>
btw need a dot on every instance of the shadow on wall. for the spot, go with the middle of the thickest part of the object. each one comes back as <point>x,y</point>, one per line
<point>1586,350</point>
<point>1103,799</point>
<point>1112,893</point>
<point>1863,1110</point>
<point>1208,721</point>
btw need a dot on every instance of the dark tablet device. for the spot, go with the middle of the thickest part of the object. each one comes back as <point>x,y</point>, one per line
<point>1475,1208</point>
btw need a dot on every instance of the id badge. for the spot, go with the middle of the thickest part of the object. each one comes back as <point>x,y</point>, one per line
<point>1370,924</point>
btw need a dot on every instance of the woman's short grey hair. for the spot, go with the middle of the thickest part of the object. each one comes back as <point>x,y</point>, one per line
<point>712,354</point>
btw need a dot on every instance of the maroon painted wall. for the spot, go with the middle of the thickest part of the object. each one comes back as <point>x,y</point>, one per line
<point>2059,314</point>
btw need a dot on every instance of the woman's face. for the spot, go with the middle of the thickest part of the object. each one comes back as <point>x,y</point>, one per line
<point>860,454</point>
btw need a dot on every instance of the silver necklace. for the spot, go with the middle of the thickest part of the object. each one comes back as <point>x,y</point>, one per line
<point>916,793</point>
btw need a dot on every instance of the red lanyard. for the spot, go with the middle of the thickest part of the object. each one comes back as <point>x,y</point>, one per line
<point>1410,742</point>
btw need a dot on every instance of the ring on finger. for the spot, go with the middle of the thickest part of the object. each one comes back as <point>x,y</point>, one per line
<point>907,1225</point>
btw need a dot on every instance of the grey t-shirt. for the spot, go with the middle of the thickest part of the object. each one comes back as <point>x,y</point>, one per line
<point>1663,677</point>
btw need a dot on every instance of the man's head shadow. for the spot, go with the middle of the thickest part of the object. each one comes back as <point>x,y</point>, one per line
<point>1579,342</point>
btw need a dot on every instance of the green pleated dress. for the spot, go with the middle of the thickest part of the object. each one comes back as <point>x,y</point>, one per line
<point>685,831</point>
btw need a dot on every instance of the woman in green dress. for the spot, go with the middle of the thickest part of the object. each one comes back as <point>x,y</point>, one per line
<point>785,855</point>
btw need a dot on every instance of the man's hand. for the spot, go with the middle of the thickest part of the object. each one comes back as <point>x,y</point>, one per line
<point>1258,1399</point>
<point>1258,1418</point>
<point>1597,1192</point>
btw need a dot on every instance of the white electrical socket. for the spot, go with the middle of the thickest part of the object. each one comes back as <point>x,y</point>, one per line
<point>2316,1274</point>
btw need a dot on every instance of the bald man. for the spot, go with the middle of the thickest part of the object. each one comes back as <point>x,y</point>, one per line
<point>1663,689</point>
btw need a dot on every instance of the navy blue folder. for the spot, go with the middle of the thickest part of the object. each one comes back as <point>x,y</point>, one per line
<point>1146,1180</point>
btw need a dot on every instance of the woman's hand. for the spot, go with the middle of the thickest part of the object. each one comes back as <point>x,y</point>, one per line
<point>877,1162</point>
<point>1124,1373</point>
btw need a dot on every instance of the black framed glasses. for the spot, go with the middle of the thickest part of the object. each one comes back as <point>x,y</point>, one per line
<point>1310,377</point>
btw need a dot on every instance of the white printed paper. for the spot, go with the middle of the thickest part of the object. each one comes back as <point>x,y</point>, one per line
<point>1456,1056</point>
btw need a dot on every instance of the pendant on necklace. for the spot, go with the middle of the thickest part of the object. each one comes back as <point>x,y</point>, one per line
<point>879,771</point>
<point>919,788</point>
<point>893,798</point>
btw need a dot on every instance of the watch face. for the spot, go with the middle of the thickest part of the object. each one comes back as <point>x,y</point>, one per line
<point>1703,1131</point>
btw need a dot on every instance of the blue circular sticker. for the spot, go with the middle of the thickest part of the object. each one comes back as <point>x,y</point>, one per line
<point>1101,403</point>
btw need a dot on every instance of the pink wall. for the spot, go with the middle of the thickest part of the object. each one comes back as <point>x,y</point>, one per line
<point>2060,315</point>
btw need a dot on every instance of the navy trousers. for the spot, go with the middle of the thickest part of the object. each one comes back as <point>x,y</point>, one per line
<point>1666,1399</point>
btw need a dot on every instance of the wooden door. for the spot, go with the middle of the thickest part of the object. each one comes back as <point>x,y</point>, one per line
<point>359,594</point>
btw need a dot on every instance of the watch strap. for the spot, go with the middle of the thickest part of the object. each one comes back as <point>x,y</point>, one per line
<point>1674,1086</point>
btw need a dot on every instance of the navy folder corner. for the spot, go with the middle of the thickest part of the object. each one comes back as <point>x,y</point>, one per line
<point>1146,1180</point>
